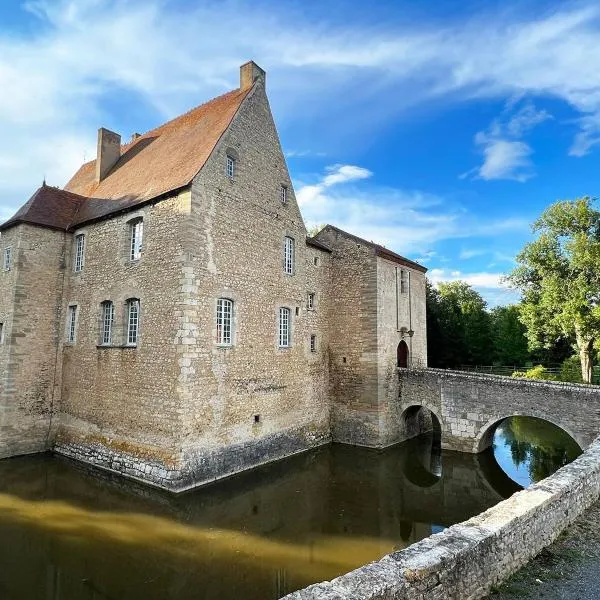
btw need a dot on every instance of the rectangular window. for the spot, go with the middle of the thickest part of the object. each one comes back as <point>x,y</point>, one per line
<point>108,318</point>
<point>310,302</point>
<point>230,166</point>
<point>313,343</point>
<point>284,327</point>
<point>7,258</point>
<point>283,194</point>
<point>1,333</point>
<point>288,255</point>
<point>136,236</point>
<point>403,282</point>
<point>133,321</point>
<point>79,250</point>
<point>71,323</point>
<point>224,321</point>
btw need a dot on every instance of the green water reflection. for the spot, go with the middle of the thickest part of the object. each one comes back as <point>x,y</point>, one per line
<point>530,449</point>
<point>72,534</point>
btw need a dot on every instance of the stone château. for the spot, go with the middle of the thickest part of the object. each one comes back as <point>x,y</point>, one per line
<point>166,317</point>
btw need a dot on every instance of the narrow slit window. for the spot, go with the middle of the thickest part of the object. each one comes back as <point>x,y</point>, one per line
<point>230,166</point>
<point>313,343</point>
<point>284,327</point>
<point>133,321</point>
<point>71,324</point>
<point>403,282</point>
<point>288,255</point>
<point>79,252</point>
<point>7,258</point>
<point>283,193</point>
<point>310,302</point>
<point>108,318</point>
<point>136,237</point>
<point>1,333</point>
<point>224,322</point>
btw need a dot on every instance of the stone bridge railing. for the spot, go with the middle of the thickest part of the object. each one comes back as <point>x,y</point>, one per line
<point>466,560</point>
<point>470,405</point>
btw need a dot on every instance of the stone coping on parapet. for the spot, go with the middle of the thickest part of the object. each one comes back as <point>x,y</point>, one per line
<point>467,559</point>
<point>503,378</point>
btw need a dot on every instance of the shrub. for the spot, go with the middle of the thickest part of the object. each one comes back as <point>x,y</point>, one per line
<point>570,370</point>
<point>537,372</point>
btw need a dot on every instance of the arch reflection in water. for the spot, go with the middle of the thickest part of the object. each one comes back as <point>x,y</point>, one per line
<point>70,534</point>
<point>529,449</point>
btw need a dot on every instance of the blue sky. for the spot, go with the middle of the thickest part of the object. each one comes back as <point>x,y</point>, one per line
<point>440,129</point>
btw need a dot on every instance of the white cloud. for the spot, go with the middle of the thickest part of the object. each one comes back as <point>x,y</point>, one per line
<point>83,60</point>
<point>404,220</point>
<point>504,159</point>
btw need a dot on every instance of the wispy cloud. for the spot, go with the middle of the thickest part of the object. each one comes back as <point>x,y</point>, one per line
<point>505,155</point>
<point>404,220</point>
<point>82,61</point>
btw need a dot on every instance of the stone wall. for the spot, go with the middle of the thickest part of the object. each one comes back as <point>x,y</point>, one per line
<point>120,408</point>
<point>250,402</point>
<point>465,560</point>
<point>469,405</point>
<point>30,294</point>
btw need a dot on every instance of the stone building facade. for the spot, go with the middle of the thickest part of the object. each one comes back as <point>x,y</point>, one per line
<point>166,316</point>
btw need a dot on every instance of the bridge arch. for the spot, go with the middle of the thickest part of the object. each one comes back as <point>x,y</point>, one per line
<point>485,436</point>
<point>415,422</point>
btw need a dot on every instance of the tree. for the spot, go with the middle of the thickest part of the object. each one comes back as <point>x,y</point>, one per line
<point>559,277</point>
<point>508,334</point>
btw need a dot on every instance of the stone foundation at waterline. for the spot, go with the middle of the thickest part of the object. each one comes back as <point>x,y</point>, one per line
<point>467,559</point>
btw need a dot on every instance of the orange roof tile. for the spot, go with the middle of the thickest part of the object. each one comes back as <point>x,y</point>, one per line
<point>164,159</point>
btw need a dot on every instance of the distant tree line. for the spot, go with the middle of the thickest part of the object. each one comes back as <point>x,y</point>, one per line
<point>462,331</point>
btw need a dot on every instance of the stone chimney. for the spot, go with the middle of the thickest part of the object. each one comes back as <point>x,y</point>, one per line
<point>109,152</point>
<point>249,73</point>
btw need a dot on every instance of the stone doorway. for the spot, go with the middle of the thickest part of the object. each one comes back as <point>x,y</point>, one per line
<point>402,355</point>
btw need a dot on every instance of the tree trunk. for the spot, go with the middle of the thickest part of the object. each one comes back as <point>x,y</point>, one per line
<point>586,348</point>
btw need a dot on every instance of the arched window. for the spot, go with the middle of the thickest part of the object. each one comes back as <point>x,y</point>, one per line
<point>285,321</point>
<point>224,322</point>
<point>106,325</point>
<point>136,238</point>
<point>133,321</point>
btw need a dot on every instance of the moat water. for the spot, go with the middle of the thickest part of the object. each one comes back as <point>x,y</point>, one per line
<point>68,533</point>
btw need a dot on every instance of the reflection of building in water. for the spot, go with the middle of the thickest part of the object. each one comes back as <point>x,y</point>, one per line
<point>281,527</point>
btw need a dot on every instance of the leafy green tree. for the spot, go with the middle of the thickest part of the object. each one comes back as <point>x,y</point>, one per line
<point>559,276</point>
<point>509,336</point>
<point>537,372</point>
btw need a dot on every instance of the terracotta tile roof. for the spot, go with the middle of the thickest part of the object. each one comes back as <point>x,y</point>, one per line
<point>164,159</point>
<point>156,163</point>
<point>49,207</point>
<point>381,250</point>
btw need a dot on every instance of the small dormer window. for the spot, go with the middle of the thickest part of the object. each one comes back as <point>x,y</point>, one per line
<point>283,194</point>
<point>230,166</point>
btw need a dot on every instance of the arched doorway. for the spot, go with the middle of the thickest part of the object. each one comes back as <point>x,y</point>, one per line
<point>402,355</point>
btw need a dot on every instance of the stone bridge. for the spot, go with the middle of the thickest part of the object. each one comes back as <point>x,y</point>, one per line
<point>469,406</point>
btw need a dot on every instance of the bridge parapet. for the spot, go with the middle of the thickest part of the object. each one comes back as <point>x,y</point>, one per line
<point>470,405</point>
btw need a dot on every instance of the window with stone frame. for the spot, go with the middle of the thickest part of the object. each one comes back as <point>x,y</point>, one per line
<point>71,323</point>
<point>288,255</point>
<point>403,281</point>
<point>107,323</point>
<point>230,166</point>
<point>224,322</point>
<point>7,258</point>
<point>285,322</point>
<point>132,314</point>
<point>136,238</point>
<point>313,343</point>
<point>283,194</point>
<point>79,253</point>
<point>310,301</point>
